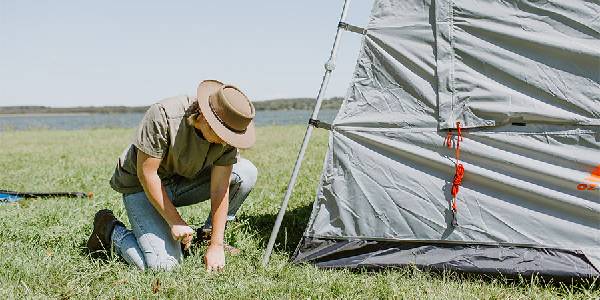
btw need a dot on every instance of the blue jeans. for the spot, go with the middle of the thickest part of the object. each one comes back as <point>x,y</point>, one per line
<point>149,243</point>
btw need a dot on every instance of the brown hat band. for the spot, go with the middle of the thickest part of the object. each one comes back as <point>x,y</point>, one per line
<point>221,120</point>
<point>231,108</point>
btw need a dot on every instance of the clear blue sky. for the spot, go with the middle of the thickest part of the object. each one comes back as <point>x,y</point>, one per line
<point>80,53</point>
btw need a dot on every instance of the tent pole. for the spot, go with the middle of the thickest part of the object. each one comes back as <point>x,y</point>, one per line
<point>329,66</point>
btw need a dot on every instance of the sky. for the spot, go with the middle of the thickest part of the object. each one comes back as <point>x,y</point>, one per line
<point>95,53</point>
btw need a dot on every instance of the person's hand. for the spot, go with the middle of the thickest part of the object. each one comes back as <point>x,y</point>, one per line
<point>214,258</point>
<point>183,234</point>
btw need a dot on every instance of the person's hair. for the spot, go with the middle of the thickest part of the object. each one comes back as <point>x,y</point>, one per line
<point>193,112</point>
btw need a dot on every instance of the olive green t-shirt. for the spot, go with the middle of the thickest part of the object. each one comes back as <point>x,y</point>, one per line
<point>165,133</point>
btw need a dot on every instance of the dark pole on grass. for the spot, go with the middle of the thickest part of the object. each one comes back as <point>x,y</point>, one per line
<point>89,195</point>
<point>329,67</point>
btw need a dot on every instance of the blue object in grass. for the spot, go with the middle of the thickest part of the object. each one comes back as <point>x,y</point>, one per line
<point>8,198</point>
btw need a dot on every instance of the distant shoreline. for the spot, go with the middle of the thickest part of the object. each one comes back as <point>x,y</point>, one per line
<point>45,114</point>
<point>277,104</point>
<point>83,121</point>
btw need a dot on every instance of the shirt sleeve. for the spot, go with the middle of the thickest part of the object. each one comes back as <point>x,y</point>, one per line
<point>228,158</point>
<point>152,134</point>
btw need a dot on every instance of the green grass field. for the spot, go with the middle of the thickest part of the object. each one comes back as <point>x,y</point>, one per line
<point>41,240</point>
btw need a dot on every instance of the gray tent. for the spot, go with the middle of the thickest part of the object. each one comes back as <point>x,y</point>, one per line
<point>514,86</point>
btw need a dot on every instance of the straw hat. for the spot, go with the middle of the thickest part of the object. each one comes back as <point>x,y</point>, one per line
<point>228,111</point>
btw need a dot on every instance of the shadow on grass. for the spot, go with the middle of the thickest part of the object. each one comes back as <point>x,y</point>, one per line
<point>291,230</point>
<point>100,255</point>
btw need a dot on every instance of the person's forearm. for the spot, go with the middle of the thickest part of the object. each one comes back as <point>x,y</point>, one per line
<point>219,204</point>
<point>158,197</point>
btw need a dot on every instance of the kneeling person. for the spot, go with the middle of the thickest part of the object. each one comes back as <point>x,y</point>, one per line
<point>185,151</point>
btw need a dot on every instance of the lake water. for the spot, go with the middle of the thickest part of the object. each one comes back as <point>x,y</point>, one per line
<point>129,120</point>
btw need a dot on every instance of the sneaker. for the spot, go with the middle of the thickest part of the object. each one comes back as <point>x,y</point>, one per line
<point>99,243</point>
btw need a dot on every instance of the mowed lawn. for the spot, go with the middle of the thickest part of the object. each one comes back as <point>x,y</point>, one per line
<point>41,240</point>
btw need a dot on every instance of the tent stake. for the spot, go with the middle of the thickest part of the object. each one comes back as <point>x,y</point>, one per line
<point>329,66</point>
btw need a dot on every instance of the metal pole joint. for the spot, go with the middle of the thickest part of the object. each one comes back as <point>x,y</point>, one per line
<point>330,66</point>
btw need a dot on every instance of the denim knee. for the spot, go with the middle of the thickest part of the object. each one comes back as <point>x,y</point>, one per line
<point>246,173</point>
<point>160,253</point>
<point>161,263</point>
<point>153,234</point>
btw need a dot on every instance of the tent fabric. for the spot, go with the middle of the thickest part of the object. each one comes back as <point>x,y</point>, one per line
<point>425,65</point>
<point>483,63</point>
<point>535,61</point>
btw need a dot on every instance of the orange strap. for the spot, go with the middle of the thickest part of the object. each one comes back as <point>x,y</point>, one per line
<point>456,182</point>
<point>459,170</point>
<point>448,140</point>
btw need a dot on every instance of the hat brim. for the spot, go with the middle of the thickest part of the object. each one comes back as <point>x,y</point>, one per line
<point>239,140</point>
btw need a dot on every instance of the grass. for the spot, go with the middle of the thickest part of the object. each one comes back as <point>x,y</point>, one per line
<point>41,240</point>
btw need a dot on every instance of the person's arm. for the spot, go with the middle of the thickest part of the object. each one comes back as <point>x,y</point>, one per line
<point>219,205</point>
<point>147,172</point>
